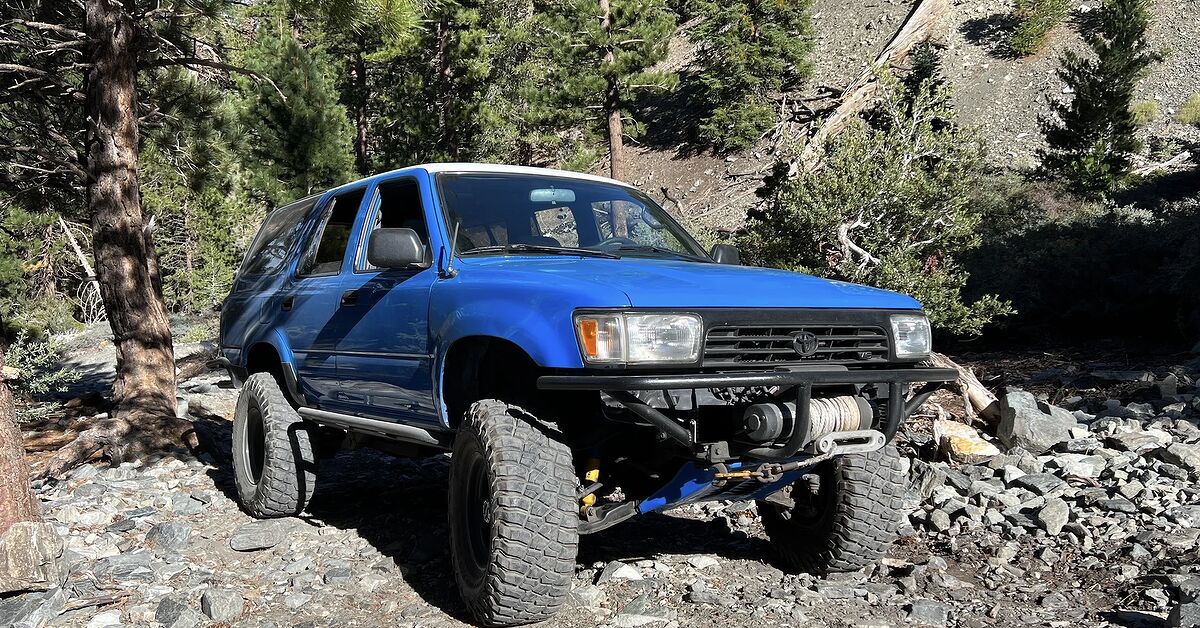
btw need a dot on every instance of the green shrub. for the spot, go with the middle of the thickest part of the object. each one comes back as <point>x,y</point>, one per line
<point>1144,112</point>
<point>1077,269</point>
<point>1189,113</point>
<point>36,361</point>
<point>1036,19</point>
<point>891,206</point>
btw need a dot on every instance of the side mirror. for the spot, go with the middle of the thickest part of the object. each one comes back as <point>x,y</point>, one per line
<point>725,254</point>
<point>396,248</point>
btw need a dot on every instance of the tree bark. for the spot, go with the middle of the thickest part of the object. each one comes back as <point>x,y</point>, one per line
<point>16,499</point>
<point>361,122</point>
<point>143,419</point>
<point>612,105</point>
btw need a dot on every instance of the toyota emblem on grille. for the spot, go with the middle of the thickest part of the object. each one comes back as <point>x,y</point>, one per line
<point>804,343</point>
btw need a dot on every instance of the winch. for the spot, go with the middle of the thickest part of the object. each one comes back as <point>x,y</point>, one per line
<point>771,421</point>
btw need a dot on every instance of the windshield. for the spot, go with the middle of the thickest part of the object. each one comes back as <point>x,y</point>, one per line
<point>500,213</point>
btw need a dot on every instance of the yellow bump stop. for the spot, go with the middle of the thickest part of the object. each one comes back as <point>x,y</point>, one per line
<point>590,476</point>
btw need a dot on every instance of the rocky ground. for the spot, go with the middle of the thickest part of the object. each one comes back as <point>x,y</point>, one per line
<point>1082,513</point>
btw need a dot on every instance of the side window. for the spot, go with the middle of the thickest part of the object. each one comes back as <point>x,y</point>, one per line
<point>399,208</point>
<point>327,248</point>
<point>276,238</point>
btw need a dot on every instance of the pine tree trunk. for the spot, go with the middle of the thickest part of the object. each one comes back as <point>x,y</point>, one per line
<point>143,420</point>
<point>612,107</point>
<point>16,500</point>
<point>361,156</point>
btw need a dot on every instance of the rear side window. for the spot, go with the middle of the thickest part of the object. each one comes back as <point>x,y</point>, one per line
<point>327,248</point>
<point>277,237</point>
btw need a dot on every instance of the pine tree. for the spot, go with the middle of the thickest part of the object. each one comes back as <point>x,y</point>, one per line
<point>1091,138</point>
<point>297,132</point>
<point>603,52</point>
<point>748,50</point>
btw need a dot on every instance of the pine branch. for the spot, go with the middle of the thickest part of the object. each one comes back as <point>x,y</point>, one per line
<point>193,62</point>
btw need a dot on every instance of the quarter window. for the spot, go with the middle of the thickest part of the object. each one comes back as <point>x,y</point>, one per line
<point>276,239</point>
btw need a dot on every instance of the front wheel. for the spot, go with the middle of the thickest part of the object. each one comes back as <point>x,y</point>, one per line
<point>273,463</point>
<point>513,521</point>
<point>846,514</point>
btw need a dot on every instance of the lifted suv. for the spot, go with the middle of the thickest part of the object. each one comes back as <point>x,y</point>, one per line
<point>581,356</point>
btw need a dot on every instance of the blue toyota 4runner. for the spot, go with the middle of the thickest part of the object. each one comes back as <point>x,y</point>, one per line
<point>581,356</point>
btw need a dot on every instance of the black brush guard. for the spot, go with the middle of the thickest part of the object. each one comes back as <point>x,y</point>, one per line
<point>618,387</point>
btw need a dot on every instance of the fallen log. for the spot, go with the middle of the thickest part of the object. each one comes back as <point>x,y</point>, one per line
<point>977,399</point>
<point>919,27</point>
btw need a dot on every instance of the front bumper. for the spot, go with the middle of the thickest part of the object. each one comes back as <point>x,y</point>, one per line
<point>802,378</point>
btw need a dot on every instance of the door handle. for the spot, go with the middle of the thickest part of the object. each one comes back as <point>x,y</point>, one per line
<point>349,298</point>
<point>287,304</point>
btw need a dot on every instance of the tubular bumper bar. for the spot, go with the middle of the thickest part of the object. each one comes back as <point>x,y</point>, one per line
<point>618,387</point>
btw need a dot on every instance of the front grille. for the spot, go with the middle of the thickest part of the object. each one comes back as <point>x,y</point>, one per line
<point>733,345</point>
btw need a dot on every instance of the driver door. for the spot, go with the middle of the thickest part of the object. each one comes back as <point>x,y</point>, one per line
<point>384,356</point>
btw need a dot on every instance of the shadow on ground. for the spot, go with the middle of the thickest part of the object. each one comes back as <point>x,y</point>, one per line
<point>991,33</point>
<point>399,507</point>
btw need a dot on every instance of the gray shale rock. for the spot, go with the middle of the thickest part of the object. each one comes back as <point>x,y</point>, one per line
<point>928,613</point>
<point>169,536</point>
<point>223,605</point>
<point>175,613</point>
<point>1031,425</point>
<point>1186,456</point>
<point>32,610</point>
<point>30,558</point>
<point>1053,516</point>
<point>257,535</point>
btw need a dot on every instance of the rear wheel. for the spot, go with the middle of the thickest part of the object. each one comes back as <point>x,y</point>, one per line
<point>513,521</point>
<point>847,513</point>
<point>274,467</point>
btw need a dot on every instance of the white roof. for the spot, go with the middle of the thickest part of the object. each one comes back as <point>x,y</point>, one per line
<point>503,169</point>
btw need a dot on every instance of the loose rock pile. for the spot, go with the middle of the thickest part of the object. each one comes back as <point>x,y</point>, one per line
<point>1083,512</point>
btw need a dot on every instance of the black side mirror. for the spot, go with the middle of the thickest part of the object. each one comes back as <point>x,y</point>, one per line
<point>396,248</point>
<point>725,254</point>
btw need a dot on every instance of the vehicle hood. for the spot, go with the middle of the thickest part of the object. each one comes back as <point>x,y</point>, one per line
<point>680,284</point>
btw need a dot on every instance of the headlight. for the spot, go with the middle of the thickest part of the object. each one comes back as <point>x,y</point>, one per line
<point>637,338</point>
<point>912,336</point>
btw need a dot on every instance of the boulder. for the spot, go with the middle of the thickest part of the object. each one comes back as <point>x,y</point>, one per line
<point>1031,425</point>
<point>1186,456</point>
<point>30,558</point>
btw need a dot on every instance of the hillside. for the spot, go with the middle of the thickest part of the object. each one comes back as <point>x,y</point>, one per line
<point>1000,95</point>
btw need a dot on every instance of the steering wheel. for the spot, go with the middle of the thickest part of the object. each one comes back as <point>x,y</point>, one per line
<point>616,242</point>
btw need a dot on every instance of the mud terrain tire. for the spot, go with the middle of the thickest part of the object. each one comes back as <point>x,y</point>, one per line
<point>513,520</point>
<point>274,467</point>
<point>850,522</point>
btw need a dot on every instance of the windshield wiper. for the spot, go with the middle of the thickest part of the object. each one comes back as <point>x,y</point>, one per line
<point>649,248</point>
<point>539,248</point>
